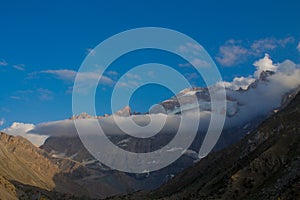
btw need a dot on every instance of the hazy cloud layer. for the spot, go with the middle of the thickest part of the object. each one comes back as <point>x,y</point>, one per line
<point>258,100</point>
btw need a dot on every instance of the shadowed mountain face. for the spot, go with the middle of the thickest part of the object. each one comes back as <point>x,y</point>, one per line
<point>263,165</point>
<point>28,172</point>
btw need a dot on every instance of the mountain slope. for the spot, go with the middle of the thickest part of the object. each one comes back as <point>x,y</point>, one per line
<point>263,165</point>
<point>23,165</point>
<point>23,162</point>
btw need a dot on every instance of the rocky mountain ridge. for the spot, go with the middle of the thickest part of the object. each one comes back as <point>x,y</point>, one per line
<point>263,165</point>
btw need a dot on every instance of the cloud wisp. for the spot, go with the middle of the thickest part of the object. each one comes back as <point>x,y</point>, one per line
<point>2,121</point>
<point>235,52</point>
<point>20,67</point>
<point>26,95</point>
<point>195,53</point>
<point>3,63</point>
<point>70,75</point>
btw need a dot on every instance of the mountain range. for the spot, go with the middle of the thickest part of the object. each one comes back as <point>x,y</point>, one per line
<point>253,155</point>
<point>265,164</point>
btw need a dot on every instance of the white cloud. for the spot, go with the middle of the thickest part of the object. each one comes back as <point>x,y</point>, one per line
<point>24,95</point>
<point>266,44</point>
<point>63,74</point>
<point>4,109</point>
<point>239,82</point>
<point>184,64</point>
<point>283,70</point>
<point>192,76</point>
<point>20,67</point>
<point>91,51</point>
<point>196,62</point>
<point>264,64</point>
<point>40,93</point>
<point>21,129</point>
<point>131,80</point>
<point>235,52</point>
<point>45,94</point>
<point>133,76</point>
<point>113,73</point>
<point>190,48</point>
<point>194,52</point>
<point>3,63</point>
<point>266,94</point>
<point>298,47</point>
<point>15,97</point>
<point>128,84</point>
<point>2,121</point>
<point>232,53</point>
<point>70,75</point>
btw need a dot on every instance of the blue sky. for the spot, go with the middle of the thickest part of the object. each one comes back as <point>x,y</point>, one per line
<point>43,43</point>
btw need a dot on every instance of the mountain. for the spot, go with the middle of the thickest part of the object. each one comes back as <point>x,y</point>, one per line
<point>263,165</point>
<point>238,101</point>
<point>27,171</point>
<point>20,157</point>
<point>23,165</point>
<point>71,148</point>
<point>76,167</point>
<point>78,164</point>
<point>94,175</point>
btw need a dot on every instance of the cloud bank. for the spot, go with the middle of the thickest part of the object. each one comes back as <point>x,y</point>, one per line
<point>260,95</point>
<point>21,129</point>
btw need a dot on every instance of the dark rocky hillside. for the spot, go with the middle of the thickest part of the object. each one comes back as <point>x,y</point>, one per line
<point>263,165</point>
